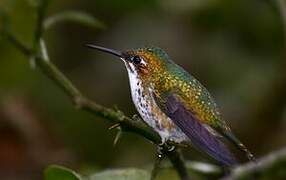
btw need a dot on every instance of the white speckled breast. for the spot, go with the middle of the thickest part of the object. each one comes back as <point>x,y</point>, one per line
<point>146,105</point>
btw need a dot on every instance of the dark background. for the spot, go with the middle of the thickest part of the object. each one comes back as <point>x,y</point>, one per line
<point>234,47</point>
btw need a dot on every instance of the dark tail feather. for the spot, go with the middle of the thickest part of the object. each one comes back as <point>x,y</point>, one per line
<point>221,153</point>
<point>230,136</point>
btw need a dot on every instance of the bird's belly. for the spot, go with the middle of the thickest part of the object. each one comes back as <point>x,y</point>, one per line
<point>157,119</point>
<point>151,113</point>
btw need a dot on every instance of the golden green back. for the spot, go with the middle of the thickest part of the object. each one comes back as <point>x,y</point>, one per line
<point>168,77</point>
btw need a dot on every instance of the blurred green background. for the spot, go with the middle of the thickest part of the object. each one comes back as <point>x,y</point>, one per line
<point>234,47</point>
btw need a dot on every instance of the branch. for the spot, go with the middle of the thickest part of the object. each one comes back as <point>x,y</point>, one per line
<point>41,12</point>
<point>176,159</point>
<point>272,166</point>
<point>19,45</point>
<point>40,56</point>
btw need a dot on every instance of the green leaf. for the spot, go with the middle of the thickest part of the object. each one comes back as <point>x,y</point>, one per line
<point>197,170</point>
<point>73,16</point>
<point>122,174</point>
<point>55,172</point>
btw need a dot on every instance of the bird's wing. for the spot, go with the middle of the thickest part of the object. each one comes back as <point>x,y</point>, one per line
<point>196,131</point>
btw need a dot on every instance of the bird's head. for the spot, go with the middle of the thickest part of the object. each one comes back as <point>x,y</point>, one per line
<point>144,62</point>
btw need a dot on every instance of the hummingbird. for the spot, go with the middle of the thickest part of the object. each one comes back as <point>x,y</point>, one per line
<point>175,104</point>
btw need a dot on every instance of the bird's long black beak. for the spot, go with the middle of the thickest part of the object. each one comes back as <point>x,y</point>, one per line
<point>107,50</point>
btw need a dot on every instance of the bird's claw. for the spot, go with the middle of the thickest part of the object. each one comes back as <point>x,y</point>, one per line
<point>164,147</point>
<point>172,148</point>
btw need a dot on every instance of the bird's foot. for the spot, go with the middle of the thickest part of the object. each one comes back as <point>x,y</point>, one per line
<point>165,147</point>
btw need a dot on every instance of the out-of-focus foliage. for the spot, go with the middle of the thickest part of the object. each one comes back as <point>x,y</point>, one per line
<point>122,174</point>
<point>61,173</point>
<point>197,170</point>
<point>73,16</point>
<point>269,167</point>
<point>234,47</point>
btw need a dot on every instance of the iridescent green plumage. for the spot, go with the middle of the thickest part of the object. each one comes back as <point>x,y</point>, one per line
<point>168,76</point>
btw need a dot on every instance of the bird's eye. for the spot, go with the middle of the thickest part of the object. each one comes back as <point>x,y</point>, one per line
<point>136,60</point>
